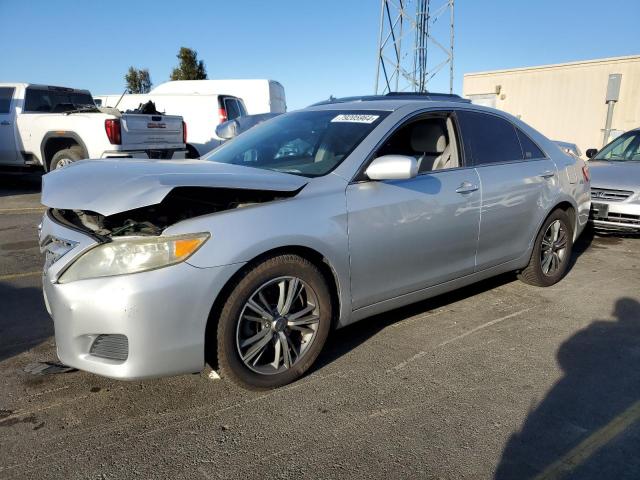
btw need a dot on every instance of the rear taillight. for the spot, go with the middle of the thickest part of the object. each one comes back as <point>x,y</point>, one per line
<point>222,115</point>
<point>586,174</point>
<point>184,132</point>
<point>112,127</point>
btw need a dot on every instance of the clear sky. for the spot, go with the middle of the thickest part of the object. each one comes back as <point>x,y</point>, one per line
<point>314,48</point>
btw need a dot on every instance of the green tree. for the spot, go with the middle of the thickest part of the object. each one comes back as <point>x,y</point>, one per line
<point>138,80</point>
<point>190,68</point>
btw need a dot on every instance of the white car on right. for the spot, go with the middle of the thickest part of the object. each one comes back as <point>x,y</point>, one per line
<point>615,184</point>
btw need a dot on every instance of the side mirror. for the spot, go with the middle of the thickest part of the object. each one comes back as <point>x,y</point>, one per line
<point>227,130</point>
<point>392,167</point>
<point>591,152</point>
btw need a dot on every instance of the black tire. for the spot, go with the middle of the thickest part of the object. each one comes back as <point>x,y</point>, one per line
<point>230,362</point>
<point>533,274</point>
<point>192,152</point>
<point>71,154</point>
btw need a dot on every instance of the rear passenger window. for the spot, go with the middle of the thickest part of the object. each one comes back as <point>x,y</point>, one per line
<point>491,139</point>
<point>232,108</point>
<point>6,94</point>
<point>243,111</point>
<point>529,149</point>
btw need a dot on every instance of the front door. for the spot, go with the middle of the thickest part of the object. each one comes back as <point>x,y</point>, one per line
<point>8,154</point>
<point>406,235</point>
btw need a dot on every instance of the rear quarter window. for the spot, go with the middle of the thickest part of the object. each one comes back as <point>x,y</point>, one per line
<point>529,149</point>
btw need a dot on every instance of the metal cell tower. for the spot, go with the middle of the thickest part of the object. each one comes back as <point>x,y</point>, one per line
<point>409,52</point>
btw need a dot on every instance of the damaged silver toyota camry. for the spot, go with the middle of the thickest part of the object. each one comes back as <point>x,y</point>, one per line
<point>247,258</point>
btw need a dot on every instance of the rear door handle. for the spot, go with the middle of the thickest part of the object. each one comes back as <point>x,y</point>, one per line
<point>547,174</point>
<point>5,122</point>
<point>466,187</point>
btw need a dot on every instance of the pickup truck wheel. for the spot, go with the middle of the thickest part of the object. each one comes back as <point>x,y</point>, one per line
<point>66,157</point>
<point>551,252</point>
<point>274,323</point>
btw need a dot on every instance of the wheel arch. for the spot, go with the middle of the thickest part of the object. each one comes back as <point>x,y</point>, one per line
<point>53,142</point>
<point>571,211</point>
<point>192,151</point>
<point>312,255</point>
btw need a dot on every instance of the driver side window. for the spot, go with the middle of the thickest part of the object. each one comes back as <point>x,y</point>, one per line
<point>430,140</point>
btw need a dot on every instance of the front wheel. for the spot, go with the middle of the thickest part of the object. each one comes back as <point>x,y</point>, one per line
<point>551,252</point>
<point>274,323</point>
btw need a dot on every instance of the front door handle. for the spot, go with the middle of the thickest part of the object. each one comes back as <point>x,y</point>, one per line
<point>547,174</point>
<point>5,122</point>
<point>466,187</point>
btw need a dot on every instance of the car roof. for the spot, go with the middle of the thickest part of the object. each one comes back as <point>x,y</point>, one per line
<point>389,102</point>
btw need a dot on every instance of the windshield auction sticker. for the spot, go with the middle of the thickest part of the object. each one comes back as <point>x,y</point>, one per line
<point>355,118</point>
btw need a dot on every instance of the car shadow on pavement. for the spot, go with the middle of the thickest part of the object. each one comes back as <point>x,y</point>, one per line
<point>18,183</point>
<point>24,322</point>
<point>588,424</point>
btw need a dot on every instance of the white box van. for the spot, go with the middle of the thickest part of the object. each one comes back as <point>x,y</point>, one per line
<point>259,96</point>
<point>204,104</point>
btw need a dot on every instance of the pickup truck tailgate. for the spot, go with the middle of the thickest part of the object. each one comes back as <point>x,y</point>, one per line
<point>151,131</point>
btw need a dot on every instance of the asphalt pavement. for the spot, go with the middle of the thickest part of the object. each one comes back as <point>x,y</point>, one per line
<point>499,380</point>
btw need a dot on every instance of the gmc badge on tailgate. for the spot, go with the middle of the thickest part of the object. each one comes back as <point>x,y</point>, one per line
<point>156,125</point>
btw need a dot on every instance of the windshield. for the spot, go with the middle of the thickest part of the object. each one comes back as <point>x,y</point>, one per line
<point>624,148</point>
<point>309,143</point>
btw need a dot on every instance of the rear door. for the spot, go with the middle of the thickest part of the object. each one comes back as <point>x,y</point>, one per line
<point>518,185</point>
<point>8,150</point>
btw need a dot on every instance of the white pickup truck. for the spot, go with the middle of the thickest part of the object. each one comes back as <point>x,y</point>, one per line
<point>50,127</point>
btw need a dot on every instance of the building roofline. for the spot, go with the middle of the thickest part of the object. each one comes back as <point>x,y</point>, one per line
<point>555,65</point>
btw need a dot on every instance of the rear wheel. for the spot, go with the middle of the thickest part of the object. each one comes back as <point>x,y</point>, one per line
<point>551,252</point>
<point>274,323</point>
<point>65,157</point>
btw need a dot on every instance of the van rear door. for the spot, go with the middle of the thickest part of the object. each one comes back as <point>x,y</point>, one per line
<point>140,131</point>
<point>8,150</point>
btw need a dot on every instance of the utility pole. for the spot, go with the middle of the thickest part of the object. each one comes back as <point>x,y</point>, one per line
<point>414,44</point>
<point>613,95</point>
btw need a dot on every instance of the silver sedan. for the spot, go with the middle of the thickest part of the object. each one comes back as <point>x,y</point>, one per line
<point>313,220</point>
<point>615,187</point>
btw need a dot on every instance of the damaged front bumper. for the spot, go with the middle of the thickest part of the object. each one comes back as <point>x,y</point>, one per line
<point>139,325</point>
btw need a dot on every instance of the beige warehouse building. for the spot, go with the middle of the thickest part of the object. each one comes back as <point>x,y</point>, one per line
<point>564,101</point>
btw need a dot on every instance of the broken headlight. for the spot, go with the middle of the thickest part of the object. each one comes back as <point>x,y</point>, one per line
<point>132,255</point>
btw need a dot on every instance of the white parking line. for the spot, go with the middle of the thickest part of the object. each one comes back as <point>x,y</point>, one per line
<point>484,325</point>
<point>19,275</point>
<point>22,209</point>
<point>422,353</point>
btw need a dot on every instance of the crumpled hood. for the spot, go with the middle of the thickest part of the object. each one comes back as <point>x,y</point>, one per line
<point>615,175</point>
<point>117,185</point>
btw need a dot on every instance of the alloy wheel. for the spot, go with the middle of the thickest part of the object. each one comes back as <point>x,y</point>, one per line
<point>63,162</point>
<point>554,248</point>
<point>277,325</point>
